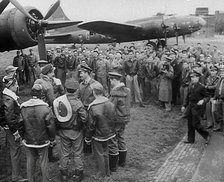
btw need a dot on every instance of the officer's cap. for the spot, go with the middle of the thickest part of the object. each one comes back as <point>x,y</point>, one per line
<point>192,55</point>
<point>195,73</point>
<point>71,84</point>
<point>168,58</point>
<point>114,75</point>
<point>184,51</point>
<point>197,64</point>
<point>85,67</point>
<point>214,68</point>
<point>47,69</point>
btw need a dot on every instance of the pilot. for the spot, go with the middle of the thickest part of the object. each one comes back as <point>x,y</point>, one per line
<point>38,132</point>
<point>131,70</point>
<point>49,56</point>
<point>120,96</point>
<point>48,95</point>
<point>12,125</point>
<point>85,92</point>
<point>176,63</point>
<point>33,66</point>
<point>71,66</point>
<point>219,104</point>
<point>198,51</point>
<point>141,72</point>
<point>19,62</point>
<point>100,128</point>
<point>102,68</point>
<point>211,83</point>
<point>70,132</point>
<point>60,65</point>
<point>165,83</point>
<point>197,96</point>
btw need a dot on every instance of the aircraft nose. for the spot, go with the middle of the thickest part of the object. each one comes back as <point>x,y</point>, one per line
<point>201,21</point>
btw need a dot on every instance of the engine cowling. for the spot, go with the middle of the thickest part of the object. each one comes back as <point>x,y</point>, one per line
<point>16,30</point>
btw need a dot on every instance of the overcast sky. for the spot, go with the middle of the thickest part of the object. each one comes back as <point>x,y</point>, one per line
<point>124,10</point>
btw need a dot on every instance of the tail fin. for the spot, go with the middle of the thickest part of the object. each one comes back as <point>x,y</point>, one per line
<point>58,15</point>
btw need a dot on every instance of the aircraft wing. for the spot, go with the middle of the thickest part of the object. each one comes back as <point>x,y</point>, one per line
<point>115,30</point>
<point>55,36</point>
<point>3,5</point>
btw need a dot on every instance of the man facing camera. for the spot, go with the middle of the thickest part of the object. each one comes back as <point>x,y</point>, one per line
<point>197,96</point>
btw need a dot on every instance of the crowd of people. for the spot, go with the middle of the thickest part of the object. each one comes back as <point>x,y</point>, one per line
<point>85,95</point>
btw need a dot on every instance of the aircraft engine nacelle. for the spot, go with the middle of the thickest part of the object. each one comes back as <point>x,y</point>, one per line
<point>17,31</point>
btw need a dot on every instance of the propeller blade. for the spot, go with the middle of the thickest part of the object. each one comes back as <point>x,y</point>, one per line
<point>3,5</point>
<point>52,9</point>
<point>41,47</point>
<point>21,8</point>
<point>60,24</point>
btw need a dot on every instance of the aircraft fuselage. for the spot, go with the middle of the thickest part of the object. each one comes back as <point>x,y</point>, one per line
<point>147,29</point>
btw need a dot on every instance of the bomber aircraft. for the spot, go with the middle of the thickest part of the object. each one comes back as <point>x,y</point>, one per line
<point>156,27</point>
<point>23,27</point>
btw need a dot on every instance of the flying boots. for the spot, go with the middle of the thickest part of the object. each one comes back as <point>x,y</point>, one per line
<point>113,159</point>
<point>50,155</point>
<point>122,158</point>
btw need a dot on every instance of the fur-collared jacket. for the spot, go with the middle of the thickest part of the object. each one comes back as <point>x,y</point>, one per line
<point>11,110</point>
<point>79,114</point>
<point>100,124</point>
<point>38,123</point>
<point>120,96</point>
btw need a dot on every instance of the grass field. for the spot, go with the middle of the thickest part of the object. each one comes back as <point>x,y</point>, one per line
<point>151,134</point>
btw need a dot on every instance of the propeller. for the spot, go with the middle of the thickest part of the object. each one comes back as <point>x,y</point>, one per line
<point>164,27</point>
<point>37,25</point>
<point>22,9</point>
<point>3,5</point>
<point>176,29</point>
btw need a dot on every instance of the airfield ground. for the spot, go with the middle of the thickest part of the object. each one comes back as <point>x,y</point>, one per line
<point>151,135</point>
